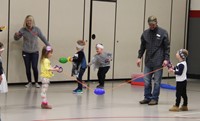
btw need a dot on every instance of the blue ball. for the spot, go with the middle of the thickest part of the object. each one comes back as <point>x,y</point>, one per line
<point>167,86</point>
<point>99,91</point>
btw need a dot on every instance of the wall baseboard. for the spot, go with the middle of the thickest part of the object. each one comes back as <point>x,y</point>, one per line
<point>194,76</point>
<point>72,81</point>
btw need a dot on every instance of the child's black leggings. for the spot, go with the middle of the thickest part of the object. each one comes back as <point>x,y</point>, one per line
<point>102,74</point>
<point>79,78</point>
<point>181,92</point>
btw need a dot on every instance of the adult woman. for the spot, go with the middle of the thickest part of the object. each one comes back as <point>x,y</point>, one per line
<point>30,52</point>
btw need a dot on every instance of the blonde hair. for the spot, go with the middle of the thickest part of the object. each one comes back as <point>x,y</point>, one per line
<point>183,53</point>
<point>81,42</point>
<point>27,17</point>
<point>45,53</point>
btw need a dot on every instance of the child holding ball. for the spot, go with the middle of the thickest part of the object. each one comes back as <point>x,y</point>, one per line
<point>180,71</point>
<point>79,66</point>
<point>46,74</point>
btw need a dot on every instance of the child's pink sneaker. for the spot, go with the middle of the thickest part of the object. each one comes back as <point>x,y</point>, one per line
<point>45,106</point>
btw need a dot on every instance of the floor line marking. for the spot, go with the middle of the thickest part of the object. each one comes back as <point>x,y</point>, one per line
<point>125,117</point>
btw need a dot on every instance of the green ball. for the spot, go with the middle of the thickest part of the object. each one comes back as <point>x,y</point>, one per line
<point>63,60</point>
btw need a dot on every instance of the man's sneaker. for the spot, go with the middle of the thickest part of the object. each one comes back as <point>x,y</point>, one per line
<point>174,108</point>
<point>37,85</point>
<point>45,106</point>
<point>145,101</point>
<point>153,102</point>
<point>100,86</point>
<point>77,91</point>
<point>28,85</point>
<point>184,108</point>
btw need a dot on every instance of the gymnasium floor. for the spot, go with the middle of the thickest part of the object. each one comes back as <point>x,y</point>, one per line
<point>120,104</point>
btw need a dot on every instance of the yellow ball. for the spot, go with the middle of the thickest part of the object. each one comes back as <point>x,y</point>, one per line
<point>69,59</point>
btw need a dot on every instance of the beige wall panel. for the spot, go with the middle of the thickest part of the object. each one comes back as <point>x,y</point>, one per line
<point>130,16</point>
<point>18,11</point>
<point>178,28</point>
<point>103,27</point>
<point>4,34</point>
<point>66,27</point>
<point>86,31</point>
<point>162,10</point>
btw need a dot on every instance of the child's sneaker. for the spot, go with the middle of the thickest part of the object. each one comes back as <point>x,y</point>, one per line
<point>28,85</point>
<point>184,108</point>
<point>77,91</point>
<point>100,86</point>
<point>45,106</point>
<point>174,108</point>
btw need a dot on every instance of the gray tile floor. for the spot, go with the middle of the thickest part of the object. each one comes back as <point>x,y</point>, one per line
<point>120,104</point>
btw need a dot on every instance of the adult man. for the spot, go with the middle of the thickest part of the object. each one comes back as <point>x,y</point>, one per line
<point>155,42</point>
